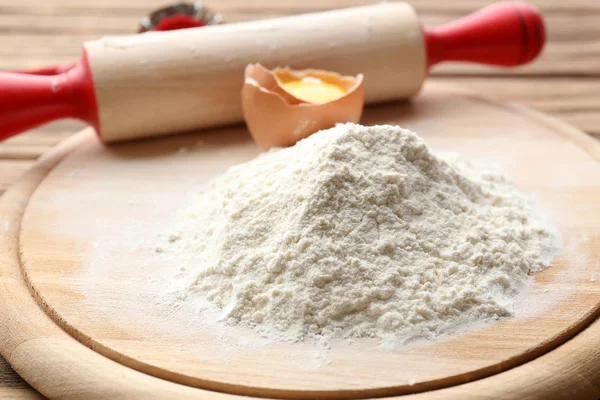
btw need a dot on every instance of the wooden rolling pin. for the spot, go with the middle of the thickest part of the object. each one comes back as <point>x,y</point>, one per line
<point>158,83</point>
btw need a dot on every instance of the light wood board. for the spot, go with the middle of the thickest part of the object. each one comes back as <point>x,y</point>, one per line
<point>563,82</point>
<point>92,223</point>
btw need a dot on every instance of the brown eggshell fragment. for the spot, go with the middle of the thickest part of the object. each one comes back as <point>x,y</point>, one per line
<point>275,118</point>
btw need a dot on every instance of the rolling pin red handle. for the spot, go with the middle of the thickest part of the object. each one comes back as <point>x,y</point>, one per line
<point>51,70</point>
<point>29,100</point>
<point>504,34</point>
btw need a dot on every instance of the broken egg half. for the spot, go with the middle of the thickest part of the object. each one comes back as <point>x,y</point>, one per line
<point>283,106</point>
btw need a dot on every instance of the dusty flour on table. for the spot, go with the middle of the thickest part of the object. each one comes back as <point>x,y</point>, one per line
<point>361,232</point>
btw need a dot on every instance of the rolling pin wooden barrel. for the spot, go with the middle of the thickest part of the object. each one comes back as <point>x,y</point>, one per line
<point>159,83</point>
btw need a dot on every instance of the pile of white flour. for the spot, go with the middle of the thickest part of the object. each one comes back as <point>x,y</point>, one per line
<point>361,232</point>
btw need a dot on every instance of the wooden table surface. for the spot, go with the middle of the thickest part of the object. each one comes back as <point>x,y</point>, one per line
<point>564,82</point>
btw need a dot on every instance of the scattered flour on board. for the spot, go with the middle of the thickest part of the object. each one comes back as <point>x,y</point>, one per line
<point>360,232</point>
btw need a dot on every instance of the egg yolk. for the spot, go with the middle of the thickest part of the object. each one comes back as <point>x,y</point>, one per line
<point>313,90</point>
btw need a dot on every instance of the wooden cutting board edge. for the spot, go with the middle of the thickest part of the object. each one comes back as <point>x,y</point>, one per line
<point>51,360</point>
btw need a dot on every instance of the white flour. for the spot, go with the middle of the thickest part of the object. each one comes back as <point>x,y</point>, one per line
<point>361,232</point>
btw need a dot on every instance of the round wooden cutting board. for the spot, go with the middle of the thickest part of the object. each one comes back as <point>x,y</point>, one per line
<point>90,311</point>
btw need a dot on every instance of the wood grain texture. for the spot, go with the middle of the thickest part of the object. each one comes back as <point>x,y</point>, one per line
<point>572,48</point>
<point>9,378</point>
<point>19,393</point>
<point>34,33</point>
<point>573,100</point>
<point>538,137</point>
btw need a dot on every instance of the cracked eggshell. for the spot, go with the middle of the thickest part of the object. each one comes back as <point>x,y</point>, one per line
<point>275,118</point>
